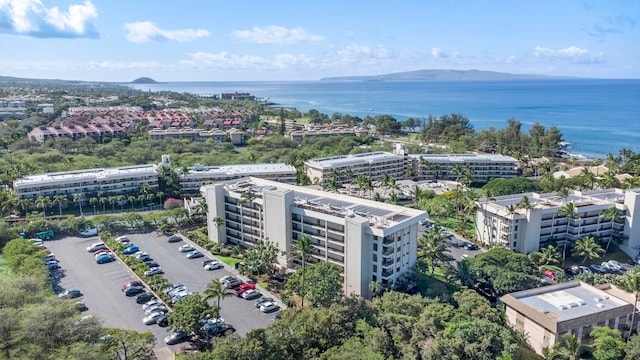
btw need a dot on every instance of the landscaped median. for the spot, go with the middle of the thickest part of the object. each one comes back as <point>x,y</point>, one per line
<point>154,283</point>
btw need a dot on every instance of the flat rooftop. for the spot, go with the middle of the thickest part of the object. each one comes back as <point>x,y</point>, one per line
<point>565,301</point>
<point>462,158</point>
<point>100,173</point>
<point>351,159</point>
<point>553,200</point>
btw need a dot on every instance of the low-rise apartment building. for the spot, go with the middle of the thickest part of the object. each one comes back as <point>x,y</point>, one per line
<point>200,175</point>
<point>481,167</point>
<point>547,313</point>
<point>527,222</point>
<point>97,131</point>
<point>367,240</point>
<point>119,180</point>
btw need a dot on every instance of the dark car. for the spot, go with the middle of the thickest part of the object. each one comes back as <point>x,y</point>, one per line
<point>174,239</point>
<point>131,283</point>
<point>163,321</point>
<point>221,330</point>
<point>471,246</point>
<point>151,263</point>
<point>133,290</point>
<point>145,297</point>
<point>70,294</point>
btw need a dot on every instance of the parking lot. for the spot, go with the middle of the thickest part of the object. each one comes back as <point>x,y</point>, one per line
<point>100,284</point>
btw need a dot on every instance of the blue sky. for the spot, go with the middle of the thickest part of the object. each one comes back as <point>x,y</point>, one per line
<point>206,40</point>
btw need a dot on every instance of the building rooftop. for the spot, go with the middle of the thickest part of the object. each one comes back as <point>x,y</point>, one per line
<point>380,215</point>
<point>99,173</point>
<point>461,158</point>
<point>240,169</point>
<point>563,302</point>
<point>351,159</point>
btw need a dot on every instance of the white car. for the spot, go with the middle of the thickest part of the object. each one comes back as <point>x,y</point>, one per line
<point>269,306</point>
<point>89,232</point>
<point>185,248</point>
<point>214,265</point>
<point>151,303</point>
<point>157,308</point>
<point>151,318</point>
<point>153,271</point>
<point>96,246</point>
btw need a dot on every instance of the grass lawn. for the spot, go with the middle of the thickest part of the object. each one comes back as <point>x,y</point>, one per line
<point>231,261</point>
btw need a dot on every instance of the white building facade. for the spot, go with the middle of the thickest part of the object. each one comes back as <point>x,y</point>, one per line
<point>368,241</point>
<point>200,175</point>
<point>530,221</point>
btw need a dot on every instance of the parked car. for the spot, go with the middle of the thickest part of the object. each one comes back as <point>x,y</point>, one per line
<point>151,263</point>
<point>251,294</point>
<point>585,269</point>
<point>70,294</point>
<point>89,232</point>
<point>134,290</point>
<point>179,296</point>
<point>105,258</point>
<point>214,265</point>
<point>194,254</point>
<point>142,256</point>
<point>100,252</point>
<point>608,268</point>
<point>157,308</point>
<point>597,269</point>
<point>174,239</point>
<point>263,300</point>
<point>471,246</point>
<point>81,306</point>
<point>163,321</point>
<point>96,246</point>
<point>176,337</point>
<point>550,274</point>
<point>131,283</point>
<point>145,298</point>
<point>185,248</point>
<point>222,330</point>
<point>153,271</point>
<point>243,287</point>
<point>37,241</point>
<point>123,239</point>
<point>151,303</point>
<point>50,257</point>
<point>152,318</point>
<point>131,249</point>
<point>616,265</point>
<point>231,283</point>
<point>52,265</point>
<point>172,287</point>
<point>269,307</point>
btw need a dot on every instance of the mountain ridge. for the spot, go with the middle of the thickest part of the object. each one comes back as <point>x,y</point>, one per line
<point>444,75</point>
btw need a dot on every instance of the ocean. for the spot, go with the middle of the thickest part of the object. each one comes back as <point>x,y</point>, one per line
<point>595,116</point>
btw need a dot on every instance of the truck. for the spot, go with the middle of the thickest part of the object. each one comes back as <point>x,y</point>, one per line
<point>45,235</point>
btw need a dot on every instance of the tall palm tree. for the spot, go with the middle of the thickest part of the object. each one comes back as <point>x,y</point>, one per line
<point>78,198</point>
<point>215,290</point>
<point>610,214</point>
<point>465,274</point>
<point>302,250</point>
<point>93,201</point>
<point>42,202</point>
<point>60,200</point>
<point>588,248</point>
<point>569,211</point>
<point>631,282</point>
<point>569,348</point>
<point>549,255</point>
<point>432,247</point>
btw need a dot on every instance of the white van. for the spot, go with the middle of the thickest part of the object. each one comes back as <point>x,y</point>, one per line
<point>89,232</point>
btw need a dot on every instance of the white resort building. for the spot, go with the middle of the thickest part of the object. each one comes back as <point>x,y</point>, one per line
<point>530,221</point>
<point>368,240</point>
<point>482,167</point>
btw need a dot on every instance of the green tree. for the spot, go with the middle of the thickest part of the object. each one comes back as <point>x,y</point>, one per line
<point>122,344</point>
<point>631,282</point>
<point>465,274</point>
<point>302,250</point>
<point>215,290</point>
<point>261,257</point>
<point>610,214</point>
<point>588,248</point>
<point>570,348</point>
<point>43,202</point>
<point>568,211</point>
<point>607,344</point>
<point>324,284</point>
<point>432,247</point>
<point>188,312</point>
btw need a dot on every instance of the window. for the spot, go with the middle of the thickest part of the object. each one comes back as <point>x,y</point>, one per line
<point>520,323</point>
<point>545,341</point>
<point>375,268</point>
<point>375,246</point>
<point>515,244</point>
<point>375,258</point>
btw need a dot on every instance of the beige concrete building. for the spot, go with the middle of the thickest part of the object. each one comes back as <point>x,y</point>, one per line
<point>367,240</point>
<point>505,221</point>
<point>545,314</point>
<point>200,175</point>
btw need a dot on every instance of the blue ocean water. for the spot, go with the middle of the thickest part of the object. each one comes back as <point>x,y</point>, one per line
<point>595,116</point>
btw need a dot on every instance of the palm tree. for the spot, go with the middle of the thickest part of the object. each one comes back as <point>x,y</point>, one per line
<point>302,249</point>
<point>465,274</point>
<point>569,348</point>
<point>549,255</point>
<point>132,200</point>
<point>610,214</point>
<point>570,212</point>
<point>218,222</point>
<point>93,202</point>
<point>215,290</point>
<point>60,200</point>
<point>631,282</point>
<point>79,197</point>
<point>432,247</point>
<point>42,202</point>
<point>201,207</point>
<point>588,248</point>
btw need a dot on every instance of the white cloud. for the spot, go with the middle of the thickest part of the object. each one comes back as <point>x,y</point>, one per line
<point>571,54</point>
<point>276,35</point>
<point>438,53</point>
<point>121,65</point>
<point>33,18</point>
<point>359,53</point>
<point>145,31</point>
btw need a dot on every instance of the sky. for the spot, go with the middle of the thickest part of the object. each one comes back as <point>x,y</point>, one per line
<point>276,40</point>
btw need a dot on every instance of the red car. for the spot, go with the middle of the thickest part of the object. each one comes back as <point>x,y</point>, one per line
<point>550,274</point>
<point>131,283</point>
<point>242,288</point>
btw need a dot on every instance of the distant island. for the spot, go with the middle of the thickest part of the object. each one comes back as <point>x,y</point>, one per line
<point>144,80</point>
<point>443,75</point>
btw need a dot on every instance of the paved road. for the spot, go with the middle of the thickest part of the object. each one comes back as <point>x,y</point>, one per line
<point>456,252</point>
<point>100,284</point>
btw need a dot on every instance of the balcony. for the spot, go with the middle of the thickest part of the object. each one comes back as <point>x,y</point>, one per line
<point>386,251</point>
<point>387,273</point>
<point>387,263</point>
<point>387,241</point>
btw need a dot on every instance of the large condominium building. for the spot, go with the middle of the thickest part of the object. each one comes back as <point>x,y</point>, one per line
<point>547,313</point>
<point>200,175</point>
<point>367,240</point>
<point>482,167</point>
<point>527,222</point>
<point>119,180</point>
